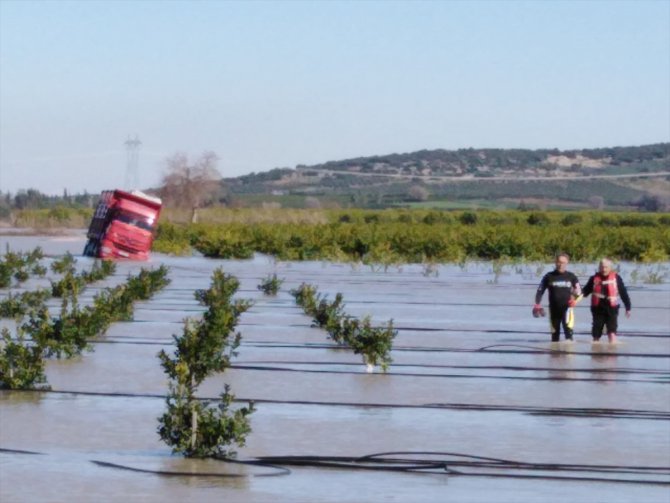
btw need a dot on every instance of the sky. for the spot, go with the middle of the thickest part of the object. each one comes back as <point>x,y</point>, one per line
<point>282,83</point>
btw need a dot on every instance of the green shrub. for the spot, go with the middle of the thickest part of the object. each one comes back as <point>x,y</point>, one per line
<point>172,239</point>
<point>20,265</point>
<point>17,306</point>
<point>373,343</point>
<point>191,427</point>
<point>571,219</point>
<point>538,219</point>
<point>21,363</point>
<point>468,218</point>
<point>270,285</point>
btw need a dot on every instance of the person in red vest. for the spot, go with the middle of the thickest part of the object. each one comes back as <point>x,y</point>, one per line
<point>605,288</point>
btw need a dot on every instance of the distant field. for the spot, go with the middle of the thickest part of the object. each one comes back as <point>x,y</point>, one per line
<point>481,193</point>
<point>505,204</point>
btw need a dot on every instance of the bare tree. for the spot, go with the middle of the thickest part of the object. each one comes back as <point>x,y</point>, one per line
<point>597,202</point>
<point>190,184</point>
<point>418,193</point>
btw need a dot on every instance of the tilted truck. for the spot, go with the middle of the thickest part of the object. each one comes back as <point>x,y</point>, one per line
<point>123,225</point>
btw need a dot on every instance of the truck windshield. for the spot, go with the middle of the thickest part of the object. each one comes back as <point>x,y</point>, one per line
<point>133,219</point>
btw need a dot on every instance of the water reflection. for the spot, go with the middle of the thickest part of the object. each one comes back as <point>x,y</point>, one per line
<point>561,360</point>
<point>12,398</point>
<point>604,355</point>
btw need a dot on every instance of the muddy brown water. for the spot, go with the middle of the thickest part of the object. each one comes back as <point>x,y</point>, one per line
<point>473,374</point>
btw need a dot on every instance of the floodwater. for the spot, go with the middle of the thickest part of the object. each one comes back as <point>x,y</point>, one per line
<point>474,376</point>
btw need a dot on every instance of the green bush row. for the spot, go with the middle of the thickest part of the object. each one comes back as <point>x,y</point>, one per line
<point>17,306</point>
<point>386,238</point>
<point>49,218</point>
<point>20,265</point>
<point>71,282</point>
<point>374,343</point>
<point>69,334</point>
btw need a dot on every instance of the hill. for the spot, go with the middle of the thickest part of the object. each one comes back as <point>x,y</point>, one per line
<point>621,177</point>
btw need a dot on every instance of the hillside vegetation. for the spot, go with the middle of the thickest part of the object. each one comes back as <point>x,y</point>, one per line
<point>596,178</point>
<point>619,178</point>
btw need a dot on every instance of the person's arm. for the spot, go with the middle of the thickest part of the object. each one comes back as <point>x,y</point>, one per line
<point>623,293</point>
<point>576,288</point>
<point>540,290</point>
<point>588,288</point>
<point>576,294</point>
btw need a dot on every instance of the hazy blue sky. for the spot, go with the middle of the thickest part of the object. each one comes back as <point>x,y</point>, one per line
<point>275,84</point>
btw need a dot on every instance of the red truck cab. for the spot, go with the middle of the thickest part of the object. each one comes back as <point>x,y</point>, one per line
<point>123,225</point>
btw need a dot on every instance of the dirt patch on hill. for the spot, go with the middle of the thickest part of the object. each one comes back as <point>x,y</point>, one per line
<point>579,160</point>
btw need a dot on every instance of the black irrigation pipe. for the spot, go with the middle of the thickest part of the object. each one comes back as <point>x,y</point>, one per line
<point>661,335</point>
<point>280,470</point>
<point>531,410</point>
<point>464,304</point>
<point>482,367</point>
<point>627,334</point>
<point>491,462</point>
<point>19,451</point>
<point>333,346</point>
<point>277,303</point>
<point>407,374</point>
<point>523,349</point>
<point>477,461</point>
<point>481,330</point>
<point>530,332</point>
<point>561,351</point>
<point>382,462</point>
<point>266,368</point>
<point>484,349</point>
<point>353,463</point>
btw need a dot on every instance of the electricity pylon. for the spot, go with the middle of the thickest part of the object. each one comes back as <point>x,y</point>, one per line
<point>132,180</point>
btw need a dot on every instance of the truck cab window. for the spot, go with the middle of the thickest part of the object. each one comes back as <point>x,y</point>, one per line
<point>133,219</point>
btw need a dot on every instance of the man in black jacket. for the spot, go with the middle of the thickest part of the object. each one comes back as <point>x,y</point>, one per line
<point>605,288</point>
<point>563,288</point>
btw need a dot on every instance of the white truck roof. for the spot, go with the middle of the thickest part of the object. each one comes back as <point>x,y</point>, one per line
<point>141,194</point>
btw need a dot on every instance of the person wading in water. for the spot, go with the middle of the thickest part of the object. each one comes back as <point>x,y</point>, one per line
<point>563,288</point>
<point>605,288</point>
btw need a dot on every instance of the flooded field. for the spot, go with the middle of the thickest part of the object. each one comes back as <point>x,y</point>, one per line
<point>477,406</point>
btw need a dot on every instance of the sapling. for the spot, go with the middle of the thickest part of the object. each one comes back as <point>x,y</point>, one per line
<point>21,363</point>
<point>17,306</point>
<point>190,426</point>
<point>374,343</point>
<point>271,285</point>
<point>305,296</point>
<point>73,282</point>
<point>20,265</point>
